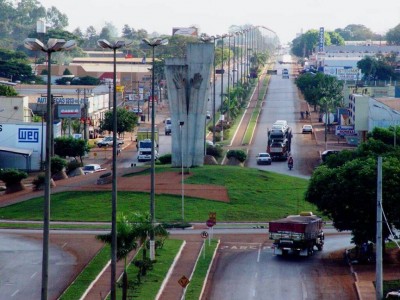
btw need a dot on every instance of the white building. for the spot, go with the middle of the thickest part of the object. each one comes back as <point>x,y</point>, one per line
<point>366,113</point>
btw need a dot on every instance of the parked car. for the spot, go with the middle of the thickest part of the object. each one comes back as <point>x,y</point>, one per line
<point>264,159</point>
<point>92,168</point>
<point>137,110</point>
<point>209,143</point>
<point>307,128</point>
<point>327,153</point>
<point>108,141</point>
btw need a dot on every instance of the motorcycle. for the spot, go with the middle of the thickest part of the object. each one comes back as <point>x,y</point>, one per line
<point>290,165</point>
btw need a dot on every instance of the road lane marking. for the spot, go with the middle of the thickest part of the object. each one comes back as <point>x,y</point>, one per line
<point>259,254</point>
<point>16,292</point>
<point>33,275</point>
<point>65,244</point>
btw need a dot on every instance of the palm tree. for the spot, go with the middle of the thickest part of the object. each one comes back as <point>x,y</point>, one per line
<point>142,227</point>
<point>126,242</point>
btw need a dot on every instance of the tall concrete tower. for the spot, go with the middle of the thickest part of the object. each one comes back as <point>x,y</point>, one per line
<point>188,82</point>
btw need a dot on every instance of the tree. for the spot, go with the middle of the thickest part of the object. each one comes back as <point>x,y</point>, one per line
<point>6,90</point>
<point>368,66</point>
<point>55,19</point>
<point>304,45</point>
<point>15,65</point>
<point>380,68</point>
<point>336,38</point>
<point>128,32</point>
<point>67,72</point>
<point>344,189</point>
<point>143,226</point>
<point>393,36</point>
<point>68,146</point>
<point>126,242</point>
<point>86,80</point>
<point>357,32</point>
<point>126,121</point>
<point>319,86</point>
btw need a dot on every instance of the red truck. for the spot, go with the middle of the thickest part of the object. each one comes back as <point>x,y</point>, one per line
<point>297,234</point>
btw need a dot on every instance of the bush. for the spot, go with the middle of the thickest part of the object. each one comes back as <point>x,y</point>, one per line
<point>165,159</point>
<point>240,155</point>
<point>57,164</point>
<point>38,181</point>
<point>73,165</point>
<point>12,176</point>
<point>215,151</point>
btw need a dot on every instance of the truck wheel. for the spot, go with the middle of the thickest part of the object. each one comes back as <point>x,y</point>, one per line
<point>310,251</point>
<point>319,247</point>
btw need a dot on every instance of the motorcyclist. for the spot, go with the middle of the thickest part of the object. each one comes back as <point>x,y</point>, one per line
<point>290,162</point>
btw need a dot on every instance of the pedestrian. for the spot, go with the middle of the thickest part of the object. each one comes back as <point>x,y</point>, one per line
<point>307,114</point>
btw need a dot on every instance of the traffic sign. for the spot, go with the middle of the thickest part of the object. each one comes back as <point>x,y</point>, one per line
<point>183,281</point>
<point>204,234</point>
<point>212,216</point>
<point>210,223</point>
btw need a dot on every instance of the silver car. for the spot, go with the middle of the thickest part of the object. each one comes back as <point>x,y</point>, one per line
<point>264,159</point>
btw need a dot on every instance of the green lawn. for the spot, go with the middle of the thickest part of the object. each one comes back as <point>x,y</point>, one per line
<point>255,195</point>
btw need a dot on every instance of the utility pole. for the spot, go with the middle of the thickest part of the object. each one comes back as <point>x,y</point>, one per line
<point>379,277</point>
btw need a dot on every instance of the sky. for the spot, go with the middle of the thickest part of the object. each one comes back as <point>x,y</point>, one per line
<point>286,18</point>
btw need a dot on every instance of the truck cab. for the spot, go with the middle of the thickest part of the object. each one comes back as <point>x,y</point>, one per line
<point>285,73</point>
<point>168,126</point>
<point>144,150</point>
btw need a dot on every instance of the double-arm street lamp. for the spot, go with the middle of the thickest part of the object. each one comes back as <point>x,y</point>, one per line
<point>153,44</point>
<point>117,45</point>
<point>53,45</point>
<point>213,39</point>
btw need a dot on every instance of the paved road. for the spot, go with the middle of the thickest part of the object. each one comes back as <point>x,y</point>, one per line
<point>21,268</point>
<point>252,266</point>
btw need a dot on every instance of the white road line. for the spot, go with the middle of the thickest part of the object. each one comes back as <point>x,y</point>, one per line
<point>16,292</point>
<point>65,244</point>
<point>33,275</point>
<point>256,275</point>
<point>259,254</point>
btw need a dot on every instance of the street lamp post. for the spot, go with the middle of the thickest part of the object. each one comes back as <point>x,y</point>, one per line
<point>153,44</point>
<point>229,73</point>
<point>181,123</point>
<point>222,75</point>
<point>53,45</point>
<point>117,45</point>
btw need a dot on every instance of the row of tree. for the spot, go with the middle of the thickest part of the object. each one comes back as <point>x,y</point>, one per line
<point>344,188</point>
<point>305,44</point>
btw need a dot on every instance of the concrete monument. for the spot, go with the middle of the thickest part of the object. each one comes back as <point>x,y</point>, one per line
<point>188,83</point>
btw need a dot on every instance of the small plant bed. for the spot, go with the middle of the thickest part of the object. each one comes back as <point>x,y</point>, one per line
<point>150,283</point>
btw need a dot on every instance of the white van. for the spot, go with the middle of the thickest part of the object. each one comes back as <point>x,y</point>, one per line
<point>168,126</point>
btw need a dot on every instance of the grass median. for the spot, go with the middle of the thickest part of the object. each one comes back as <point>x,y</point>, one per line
<point>254,195</point>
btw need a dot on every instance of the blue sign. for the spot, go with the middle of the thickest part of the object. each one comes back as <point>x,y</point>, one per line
<point>28,135</point>
<point>321,44</point>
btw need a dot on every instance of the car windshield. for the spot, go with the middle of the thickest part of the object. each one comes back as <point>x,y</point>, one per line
<point>264,155</point>
<point>89,168</point>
